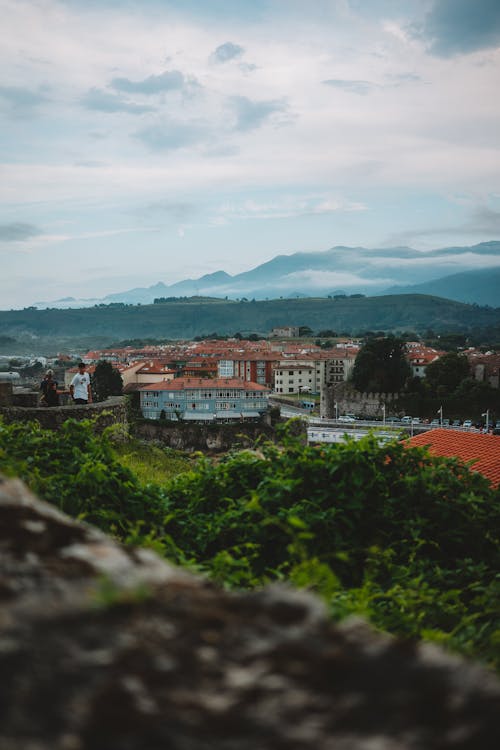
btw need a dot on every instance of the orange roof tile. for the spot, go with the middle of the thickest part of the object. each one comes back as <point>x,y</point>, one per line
<point>484,450</point>
<point>179,384</point>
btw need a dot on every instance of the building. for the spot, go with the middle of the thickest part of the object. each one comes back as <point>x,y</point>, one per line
<point>419,357</point>
<point>482,450</point>
<point>286,332</point>
<point>310,372</point>
<point>253,367</point>
<point>204,400</point>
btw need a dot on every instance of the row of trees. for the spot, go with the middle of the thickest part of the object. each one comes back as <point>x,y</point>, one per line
<point>382,367</point>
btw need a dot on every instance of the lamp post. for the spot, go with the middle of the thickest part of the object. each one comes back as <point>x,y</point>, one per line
<point>440,412</point>
<point>383,414</point>
<point>336,410</point>
<point>487,415</point>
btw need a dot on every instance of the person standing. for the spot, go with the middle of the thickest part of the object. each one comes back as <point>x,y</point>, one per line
<point>48,387</point>
<point>79,388</point>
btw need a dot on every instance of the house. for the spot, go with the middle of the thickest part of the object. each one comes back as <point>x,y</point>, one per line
<point>419,357</point>
<point>204,400</point>
<point>483,450</point>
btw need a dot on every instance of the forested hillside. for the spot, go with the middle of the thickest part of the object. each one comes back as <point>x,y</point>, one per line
<point>185,318</point>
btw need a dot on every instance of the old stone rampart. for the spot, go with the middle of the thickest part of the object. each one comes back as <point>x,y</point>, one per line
<point>350,401</point>
<point>111,411</point>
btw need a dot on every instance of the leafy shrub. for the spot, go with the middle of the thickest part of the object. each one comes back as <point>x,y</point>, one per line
<point>408,540</point>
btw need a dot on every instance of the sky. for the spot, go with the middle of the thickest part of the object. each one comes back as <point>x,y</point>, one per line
<point>157,140</point>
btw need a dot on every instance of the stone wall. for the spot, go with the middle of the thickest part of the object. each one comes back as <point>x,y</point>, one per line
<point>213,437</point>
<point>111,411</point>
<point>5,394</point>
<point>350,401</point>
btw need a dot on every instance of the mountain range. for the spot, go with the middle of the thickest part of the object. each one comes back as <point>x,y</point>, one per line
<point>466,274</point>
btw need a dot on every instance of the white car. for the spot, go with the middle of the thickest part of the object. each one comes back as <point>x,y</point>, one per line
<point>346,419</point>
<point>467,423</point>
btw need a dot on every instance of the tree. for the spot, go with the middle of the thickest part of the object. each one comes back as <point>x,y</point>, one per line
<point>106,381</point>
<point>446,373</point>
<point>381,366</point>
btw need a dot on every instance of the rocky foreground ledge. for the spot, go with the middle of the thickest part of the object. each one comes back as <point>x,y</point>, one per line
<point>104,648</point>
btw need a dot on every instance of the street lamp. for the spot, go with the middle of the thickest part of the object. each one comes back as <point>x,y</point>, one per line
<point>487,415</point>
<point>336,410</point>
<point>383,414</point>
<point>440,412</point>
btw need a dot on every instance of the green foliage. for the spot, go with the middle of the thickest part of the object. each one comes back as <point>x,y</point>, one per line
<point>194,316</point>
<point>410,541</point>
<point>445,374</point>
<point>381,366</point>
<point>78,471</point>
<point>148,461</point>
<point>106,381</point>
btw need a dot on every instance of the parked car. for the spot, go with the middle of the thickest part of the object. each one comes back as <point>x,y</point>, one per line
<point>406,420</point>
<point>445,422</point>
<point>467,423</point>
<point>435,423</point>
<point>415,420</point>
<point>456,423</point>
<point>346,419</point>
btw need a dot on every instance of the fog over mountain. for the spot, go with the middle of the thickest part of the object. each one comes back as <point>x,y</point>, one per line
<point>469,274</point>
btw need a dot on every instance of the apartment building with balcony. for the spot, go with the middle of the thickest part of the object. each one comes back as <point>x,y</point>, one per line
<point>204,400</point>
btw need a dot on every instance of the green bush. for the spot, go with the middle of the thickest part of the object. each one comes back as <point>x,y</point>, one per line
<point>410,541</point>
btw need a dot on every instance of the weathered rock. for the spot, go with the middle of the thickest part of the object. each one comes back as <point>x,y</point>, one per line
<point>104,648</point>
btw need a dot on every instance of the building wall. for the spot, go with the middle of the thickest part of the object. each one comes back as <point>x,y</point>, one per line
<point>207,402</point>
<point>294,378</point>
<point>293,375</point>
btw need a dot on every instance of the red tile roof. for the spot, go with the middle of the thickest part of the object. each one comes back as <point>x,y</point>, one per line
<point>179,384</point>
<point>484,450</point>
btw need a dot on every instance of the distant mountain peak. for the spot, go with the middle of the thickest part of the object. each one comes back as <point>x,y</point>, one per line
<point>354,270</point>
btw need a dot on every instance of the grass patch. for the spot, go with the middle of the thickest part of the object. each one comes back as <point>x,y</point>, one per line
<point>152,463</point>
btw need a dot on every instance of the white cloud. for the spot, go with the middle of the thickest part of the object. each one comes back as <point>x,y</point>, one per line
<point>285,207</point>
<point>161,120</point>
<point>323,279</point>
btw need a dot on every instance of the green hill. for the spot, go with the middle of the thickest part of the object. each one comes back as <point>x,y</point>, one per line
<point>481,286</point>
<point>186,318</point>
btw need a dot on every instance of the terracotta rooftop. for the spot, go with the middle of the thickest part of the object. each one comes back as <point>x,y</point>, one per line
<point>180,384</point>
<point>484,450</point>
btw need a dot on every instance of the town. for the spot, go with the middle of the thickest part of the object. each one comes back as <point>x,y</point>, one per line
<point>236,379</point>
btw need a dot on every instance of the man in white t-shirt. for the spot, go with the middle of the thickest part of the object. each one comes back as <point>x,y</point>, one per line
<point>79,388</point>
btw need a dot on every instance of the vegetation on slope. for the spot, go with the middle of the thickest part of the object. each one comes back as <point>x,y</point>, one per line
<point>409,541</point>
<point>184,319</point>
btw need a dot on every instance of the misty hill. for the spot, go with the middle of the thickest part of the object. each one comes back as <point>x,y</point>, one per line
<point>192,317</point>
<point>314,274</point>
<point>481,287</point>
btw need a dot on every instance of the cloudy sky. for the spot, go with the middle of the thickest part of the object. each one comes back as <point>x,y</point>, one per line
<point>154,140</point>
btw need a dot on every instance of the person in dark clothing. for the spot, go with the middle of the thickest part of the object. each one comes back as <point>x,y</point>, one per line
<point>48,387</point>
